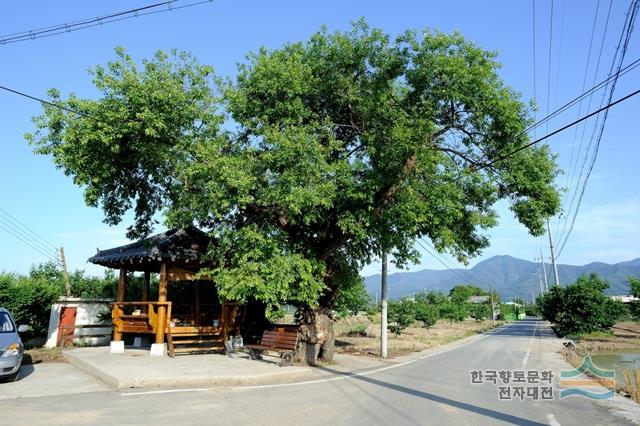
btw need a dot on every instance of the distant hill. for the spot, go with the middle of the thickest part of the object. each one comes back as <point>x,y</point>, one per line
<point>511,277</point>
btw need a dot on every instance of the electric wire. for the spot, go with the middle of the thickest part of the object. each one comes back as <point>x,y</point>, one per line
<point>25,236</point>
<point>549,61</point>
<point>535,97</point>
<point>28,230</point>
<point>62,107</point>
<point>42,252</point>
<point>572,171</point>
<point>93,22</point>
<point>625,37</point>
<point>530,144</point>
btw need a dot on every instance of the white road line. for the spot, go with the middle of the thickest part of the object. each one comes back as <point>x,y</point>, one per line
<point>526,356</point>
<point>332,379</point>
<point>552,420</point>
<point>165,391</point>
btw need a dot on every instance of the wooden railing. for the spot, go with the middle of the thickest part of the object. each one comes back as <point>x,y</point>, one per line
<point>138,317</point>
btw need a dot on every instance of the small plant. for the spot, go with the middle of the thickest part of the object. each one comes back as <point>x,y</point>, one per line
<point>359,330</point>
<point>633,389</point>
<point>401,315</point>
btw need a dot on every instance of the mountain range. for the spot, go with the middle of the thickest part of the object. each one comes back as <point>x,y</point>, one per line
<point>509,276</point>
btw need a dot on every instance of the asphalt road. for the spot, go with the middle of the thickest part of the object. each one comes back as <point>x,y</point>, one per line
<point>436,390</point>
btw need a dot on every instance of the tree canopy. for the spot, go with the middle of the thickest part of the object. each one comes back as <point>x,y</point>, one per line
<point>461,293</point>
<point>581,307</point>
<point>314,159</point>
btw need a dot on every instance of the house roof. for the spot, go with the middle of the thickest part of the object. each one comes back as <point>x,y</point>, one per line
<point>183,247</point>
<point>478,299</point>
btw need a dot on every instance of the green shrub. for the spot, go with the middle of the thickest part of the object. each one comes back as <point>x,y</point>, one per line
<point>479,311</point>
<point>400,315</point>
<point>29,297</point>
<point>426,313</point>
<point>581,307</point>
<point>453,311</point>
<point>359,330</point>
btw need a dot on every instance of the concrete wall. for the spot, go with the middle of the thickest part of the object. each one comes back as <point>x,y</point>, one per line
<point>88,312</point>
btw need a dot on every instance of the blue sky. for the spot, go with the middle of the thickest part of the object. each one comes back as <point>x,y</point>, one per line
<point>220,33</point>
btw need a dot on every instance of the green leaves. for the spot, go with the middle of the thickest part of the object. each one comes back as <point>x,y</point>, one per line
<point>317,157</point>
<point>581,307</point>
<point>401,314</point>
<point>255,267</point>
<point>126,148</point>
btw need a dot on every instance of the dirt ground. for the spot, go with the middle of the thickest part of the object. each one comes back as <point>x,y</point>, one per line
<point>412,339</point>
<point>623,335</point>
<point>38,355</point>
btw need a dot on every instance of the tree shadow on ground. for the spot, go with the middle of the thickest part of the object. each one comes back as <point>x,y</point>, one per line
<point>439,399</point>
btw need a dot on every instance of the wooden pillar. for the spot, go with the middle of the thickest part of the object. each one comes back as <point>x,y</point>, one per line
<point>117,310</point>
<point>145,286</point>
<point>162,310</point>
<point>223,322</point>
<point>145,290</point>
<point>122,285</point>
<point>197,306</point>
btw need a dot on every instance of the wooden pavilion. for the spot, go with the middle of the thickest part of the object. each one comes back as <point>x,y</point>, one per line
<point>187,314</point>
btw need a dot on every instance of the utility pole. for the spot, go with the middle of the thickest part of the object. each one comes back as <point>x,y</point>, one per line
<point>544,272</point>
<point>540,281</point>
<point>383,309</point>
<point>553,257</point>
<point>493,312</point>
<point>65,273</point>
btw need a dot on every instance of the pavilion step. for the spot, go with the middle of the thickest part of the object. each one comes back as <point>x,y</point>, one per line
<point>190,342</point>
<point>178,335</point>
<point>198,349</point>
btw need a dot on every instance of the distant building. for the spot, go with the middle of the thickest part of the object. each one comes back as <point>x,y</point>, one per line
<point>478,299</point>
<point>624,299</point>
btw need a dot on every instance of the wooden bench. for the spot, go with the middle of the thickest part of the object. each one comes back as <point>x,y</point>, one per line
<point>281,340</point>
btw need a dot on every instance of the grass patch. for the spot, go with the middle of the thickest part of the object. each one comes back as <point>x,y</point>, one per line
<point>594,335</point>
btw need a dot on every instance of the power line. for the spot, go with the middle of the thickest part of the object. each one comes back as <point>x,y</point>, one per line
<point>549,64</point>
<point>573,167</point>
<point>27,229</point>
<point>28,239</point>
<point>42,252</point>
<point>530,144</point>
<point>583,95</point>
<point>559,61</point>
<point>25,236</point>
<point>44,101</point>
<point>461,273</point>
<point>92,22</point>
<point>533,4</point>
<point>625,37</point>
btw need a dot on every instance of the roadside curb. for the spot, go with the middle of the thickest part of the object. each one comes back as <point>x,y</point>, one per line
<point>140,381</point>
<point>321,375</point>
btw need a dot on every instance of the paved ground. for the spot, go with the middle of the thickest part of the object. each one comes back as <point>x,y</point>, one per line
<point>135,368</point>
<point>50,379</point>
<point>431,388</point>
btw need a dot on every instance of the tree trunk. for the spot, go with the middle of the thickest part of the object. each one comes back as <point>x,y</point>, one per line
<point>316,338</point>
<point>317,341</point>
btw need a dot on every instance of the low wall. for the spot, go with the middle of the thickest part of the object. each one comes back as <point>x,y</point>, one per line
<point>88,313</point>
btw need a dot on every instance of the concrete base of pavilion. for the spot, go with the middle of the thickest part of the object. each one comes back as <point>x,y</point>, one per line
<point>136,369</point>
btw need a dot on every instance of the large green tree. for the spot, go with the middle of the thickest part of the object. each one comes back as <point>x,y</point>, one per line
<point>333,151</point>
